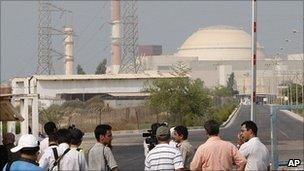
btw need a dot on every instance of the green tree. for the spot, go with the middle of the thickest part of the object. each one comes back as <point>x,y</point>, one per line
<point>181,97</point>
<point>294,91</point>
<point>221,91</point>
<point>80,71</point>
<point>101,68</point>
<point>231,84</point>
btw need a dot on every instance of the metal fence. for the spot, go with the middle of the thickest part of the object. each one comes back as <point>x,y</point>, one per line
<point>273,133</point>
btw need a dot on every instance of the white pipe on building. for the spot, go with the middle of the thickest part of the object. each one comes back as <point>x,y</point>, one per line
<point>68,45</point>
<point>116,50</point>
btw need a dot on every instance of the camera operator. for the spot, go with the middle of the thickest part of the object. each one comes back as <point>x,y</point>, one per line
<point>151,141</point>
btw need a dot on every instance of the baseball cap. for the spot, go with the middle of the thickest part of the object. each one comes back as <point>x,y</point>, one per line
<point>27,140</point>
<point>162,130</point>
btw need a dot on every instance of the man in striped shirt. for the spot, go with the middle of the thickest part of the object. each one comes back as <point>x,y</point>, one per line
<point>163,156</point>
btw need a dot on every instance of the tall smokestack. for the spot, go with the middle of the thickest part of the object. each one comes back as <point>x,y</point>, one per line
<point>68,45</point>
<point>116,50</point>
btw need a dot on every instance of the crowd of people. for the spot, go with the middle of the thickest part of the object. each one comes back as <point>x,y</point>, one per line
<point>214,154</point>
<point>58,151</point>
<point>171,151</point>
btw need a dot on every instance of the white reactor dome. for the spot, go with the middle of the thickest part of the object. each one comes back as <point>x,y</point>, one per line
<point>219,43</point>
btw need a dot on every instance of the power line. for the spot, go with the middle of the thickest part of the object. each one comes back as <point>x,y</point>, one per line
<point>95,54</point>
<point>92,37</point>
<point>93,19</point>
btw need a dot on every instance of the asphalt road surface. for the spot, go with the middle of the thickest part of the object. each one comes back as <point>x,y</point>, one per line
<point>129,153</point>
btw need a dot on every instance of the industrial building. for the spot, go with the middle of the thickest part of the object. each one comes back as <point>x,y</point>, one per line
<point>213,53</point>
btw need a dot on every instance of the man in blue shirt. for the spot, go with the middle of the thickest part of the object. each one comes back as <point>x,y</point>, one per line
<point>28,146</point>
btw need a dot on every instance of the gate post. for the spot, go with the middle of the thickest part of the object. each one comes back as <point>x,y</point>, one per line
<point>273,136</point>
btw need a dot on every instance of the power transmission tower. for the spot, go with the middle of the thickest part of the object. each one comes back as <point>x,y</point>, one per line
<point>45,33</point>
<point>45,63</point>
<point>130,62</point>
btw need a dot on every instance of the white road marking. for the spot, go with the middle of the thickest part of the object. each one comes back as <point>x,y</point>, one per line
<point>283,133</point>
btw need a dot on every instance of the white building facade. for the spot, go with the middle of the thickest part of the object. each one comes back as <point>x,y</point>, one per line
<point>213,53</point>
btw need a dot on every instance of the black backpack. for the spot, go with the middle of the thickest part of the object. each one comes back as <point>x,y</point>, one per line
<point>58,158</point>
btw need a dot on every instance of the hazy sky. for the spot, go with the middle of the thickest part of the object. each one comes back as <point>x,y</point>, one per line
<point>166,23</point>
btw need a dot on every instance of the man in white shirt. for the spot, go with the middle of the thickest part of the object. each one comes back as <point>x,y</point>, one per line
<point>49,128</point>
<point>163,156</point>
<point>69,161</point>
<point>77,152</point>
<point>253,149</point>
<point>47,159</point>
<point>100,155</point>
<point>181,137</point>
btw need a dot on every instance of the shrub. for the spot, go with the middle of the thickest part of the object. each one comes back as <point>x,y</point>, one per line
<point>222,113</point>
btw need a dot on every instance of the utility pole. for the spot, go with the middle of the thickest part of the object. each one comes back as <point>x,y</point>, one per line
<point>254,58</point>
<point>303,80</point>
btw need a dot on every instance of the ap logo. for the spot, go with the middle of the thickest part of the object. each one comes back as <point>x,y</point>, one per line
<point>293,162</point>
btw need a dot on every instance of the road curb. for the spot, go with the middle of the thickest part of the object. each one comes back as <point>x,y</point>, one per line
<point>224,125</point>
<point>293,115</point>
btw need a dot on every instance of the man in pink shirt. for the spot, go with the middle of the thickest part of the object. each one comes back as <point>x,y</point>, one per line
<point>216,154</point>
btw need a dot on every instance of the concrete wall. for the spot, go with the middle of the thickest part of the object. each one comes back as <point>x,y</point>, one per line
<point>124,103</point>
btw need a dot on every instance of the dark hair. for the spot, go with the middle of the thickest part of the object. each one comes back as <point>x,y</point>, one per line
<point>77,135</point>
<point>64,136</point>
<point>182,130</point>
<point>101,130</point>
<point>53,137</point>
<point>212,127</point>
<point>29,150</point>
<point>50,127</point>
<point>251,125</point>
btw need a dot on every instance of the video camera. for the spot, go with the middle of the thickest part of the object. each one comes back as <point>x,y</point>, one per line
<point>151,139</point>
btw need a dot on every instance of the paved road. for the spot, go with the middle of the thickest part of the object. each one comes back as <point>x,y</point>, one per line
<point>128,149</point>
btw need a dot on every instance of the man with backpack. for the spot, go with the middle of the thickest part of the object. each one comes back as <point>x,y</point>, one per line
<point>50,154</point>
<point>60,158</point>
